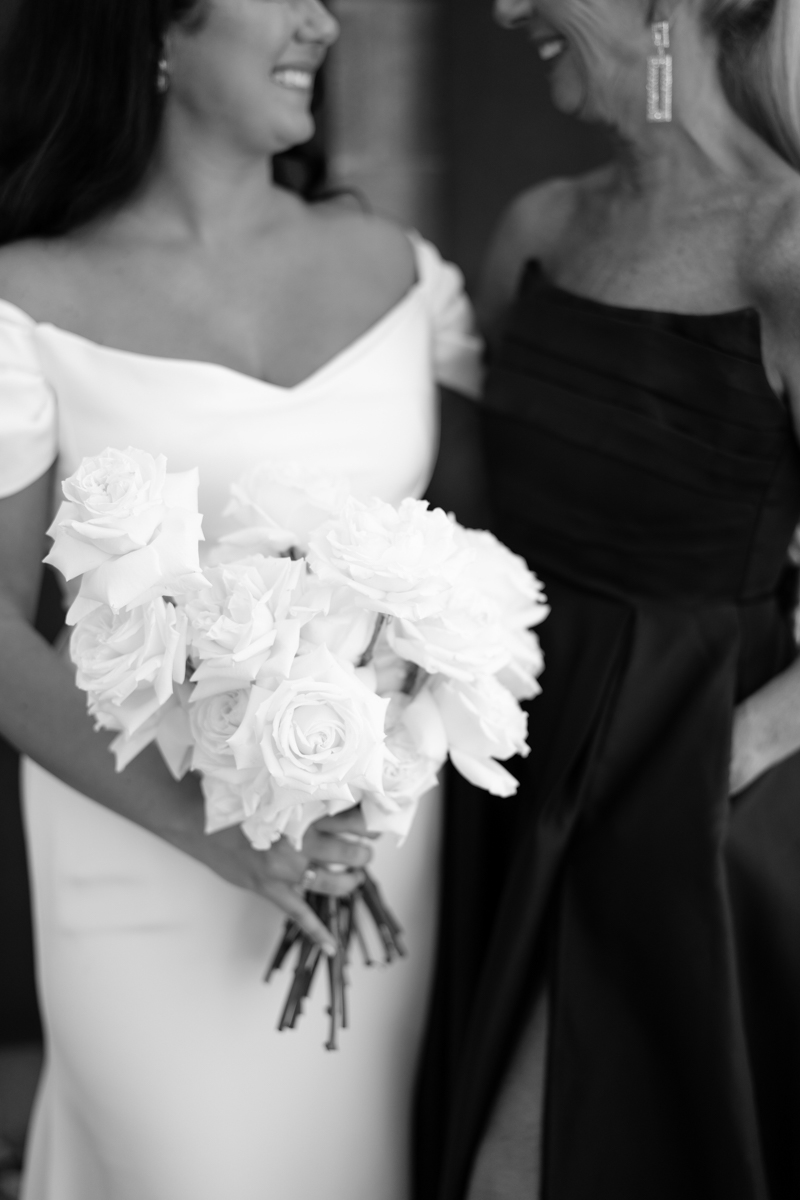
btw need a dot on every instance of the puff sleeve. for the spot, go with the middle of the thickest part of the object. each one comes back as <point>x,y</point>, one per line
<point>457,346</point>
<point>28,432</point>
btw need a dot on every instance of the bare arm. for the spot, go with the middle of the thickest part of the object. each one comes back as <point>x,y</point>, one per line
<point>766,726</point>
<point>43,714</point>
<point>531,227</point>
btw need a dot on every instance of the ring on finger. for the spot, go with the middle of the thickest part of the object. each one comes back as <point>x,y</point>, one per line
<point>309,877</point>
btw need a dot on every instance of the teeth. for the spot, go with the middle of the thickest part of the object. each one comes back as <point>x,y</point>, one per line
<point>293,77</point>
<point>551,49</point>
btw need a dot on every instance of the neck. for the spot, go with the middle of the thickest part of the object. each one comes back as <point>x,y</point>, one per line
<point>204,187</point>
<point>705,139</point>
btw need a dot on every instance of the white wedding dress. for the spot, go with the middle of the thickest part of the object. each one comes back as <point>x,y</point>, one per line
<point>165,1076</point>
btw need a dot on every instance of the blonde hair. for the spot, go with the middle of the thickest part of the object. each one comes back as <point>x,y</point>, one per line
<point>759,43</point>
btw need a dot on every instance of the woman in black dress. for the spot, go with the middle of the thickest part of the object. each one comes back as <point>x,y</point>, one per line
<point>617,1010</point>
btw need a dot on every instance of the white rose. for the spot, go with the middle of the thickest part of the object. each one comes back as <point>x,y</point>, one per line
<point>119,497</point>
<point>514,601</point>
<point>400,561</point>
<point>284,813</point>
<point>129,664</point>
<point>129,529</point>
<point>483,630</point>
<point>213,723</point>
<point>231,795</point>
<point>482,722</point>
<point>168,727</point>
<point>461,642</point>
<point>280,503</point>
<point>503,578</point>
<point>391,672</point>
<point>225,799</point>
<point>407,775</point>
<point>344,628</point>
<point>246,622</point>
<point>316,736</point>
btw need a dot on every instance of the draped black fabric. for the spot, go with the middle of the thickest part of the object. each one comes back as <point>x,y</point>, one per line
<point>644,467</point>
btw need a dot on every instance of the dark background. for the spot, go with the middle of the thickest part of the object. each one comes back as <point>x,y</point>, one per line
<point>500,135</point>
<point>500,132</point>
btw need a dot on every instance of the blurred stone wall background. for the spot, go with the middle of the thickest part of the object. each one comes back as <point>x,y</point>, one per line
<point>439,117</point>
<point>383,117</point>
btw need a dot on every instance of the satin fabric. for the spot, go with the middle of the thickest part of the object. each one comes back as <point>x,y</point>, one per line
<point>166,1078</point>
<point>643,465</point>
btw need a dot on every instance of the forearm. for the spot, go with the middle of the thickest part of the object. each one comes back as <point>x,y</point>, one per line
<point>766,727</point>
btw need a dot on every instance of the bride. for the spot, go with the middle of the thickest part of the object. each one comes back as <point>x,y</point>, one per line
<point>159,290</point>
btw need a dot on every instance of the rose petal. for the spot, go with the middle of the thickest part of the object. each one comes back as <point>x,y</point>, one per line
<point>485,773</point>
<point>424,723</point>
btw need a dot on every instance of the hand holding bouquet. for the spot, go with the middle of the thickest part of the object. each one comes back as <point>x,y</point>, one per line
<point>330,653</point>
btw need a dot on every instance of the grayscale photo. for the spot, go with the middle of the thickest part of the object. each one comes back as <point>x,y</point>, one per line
<point>400,600</point>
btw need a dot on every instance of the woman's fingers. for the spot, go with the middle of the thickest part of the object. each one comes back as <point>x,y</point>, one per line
<point>282,874</point>
<point>293,904</point>
<point>331,883</point>
<point>351,821</point>
<point>326,848</point>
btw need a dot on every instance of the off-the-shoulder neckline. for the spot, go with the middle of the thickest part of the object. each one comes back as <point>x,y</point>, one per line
<point>352,349</point>
<point>359,344</point>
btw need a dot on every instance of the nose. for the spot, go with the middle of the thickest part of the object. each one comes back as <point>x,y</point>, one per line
<point>319,24</point>
<point>513,13</point>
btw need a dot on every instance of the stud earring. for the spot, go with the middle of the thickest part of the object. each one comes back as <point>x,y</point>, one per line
<point>162,74</point>
<point>659,75</point>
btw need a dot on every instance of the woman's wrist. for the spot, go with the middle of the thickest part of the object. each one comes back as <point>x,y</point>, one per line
<point>750,748</point>
<point>766,729</point>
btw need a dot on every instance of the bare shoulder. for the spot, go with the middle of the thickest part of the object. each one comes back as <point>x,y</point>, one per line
<point>31,271</point>
<point>377,250</point>
<point>772,269</point>
<point>773,247</point>
<point>532,225</point>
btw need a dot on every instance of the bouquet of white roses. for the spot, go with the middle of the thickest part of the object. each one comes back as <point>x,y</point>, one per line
<point>328,653</point>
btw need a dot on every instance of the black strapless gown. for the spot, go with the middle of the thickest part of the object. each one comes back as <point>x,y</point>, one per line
<point>644,467</point>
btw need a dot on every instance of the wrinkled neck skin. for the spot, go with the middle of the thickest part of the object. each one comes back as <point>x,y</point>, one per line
<point>672,163</point>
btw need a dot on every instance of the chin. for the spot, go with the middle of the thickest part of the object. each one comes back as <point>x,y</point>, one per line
<point>302,131</point>
<point>290,133</point>
<point>568,91</point>
<point>569,101</point>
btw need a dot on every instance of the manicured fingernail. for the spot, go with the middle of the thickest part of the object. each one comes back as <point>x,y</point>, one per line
<point>329,948</point>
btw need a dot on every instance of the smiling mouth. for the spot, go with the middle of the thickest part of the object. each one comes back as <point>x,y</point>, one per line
<point>550,48</point>
<point>296,79</point>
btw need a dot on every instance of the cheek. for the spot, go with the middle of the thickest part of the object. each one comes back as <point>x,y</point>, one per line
<point>595,73</point>
<point>226,67</point>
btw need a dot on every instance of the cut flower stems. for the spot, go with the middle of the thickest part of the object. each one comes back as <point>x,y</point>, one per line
<point>343,917</point>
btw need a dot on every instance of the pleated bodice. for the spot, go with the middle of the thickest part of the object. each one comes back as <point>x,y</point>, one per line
<point>644,466</point>
<point>649,453</point>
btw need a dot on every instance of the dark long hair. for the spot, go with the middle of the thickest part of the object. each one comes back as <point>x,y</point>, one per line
<point>80,112</point>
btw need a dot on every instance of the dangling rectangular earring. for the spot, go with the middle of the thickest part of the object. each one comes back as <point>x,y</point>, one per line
<point>659,75</point>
